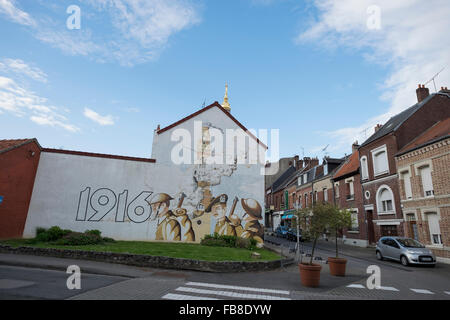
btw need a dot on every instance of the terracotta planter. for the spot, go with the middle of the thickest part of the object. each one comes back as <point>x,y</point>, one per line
<point>310,274</point>
<point>337,266</point>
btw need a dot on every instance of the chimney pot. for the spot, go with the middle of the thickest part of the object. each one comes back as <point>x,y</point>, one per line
<point>422,93</point>
<point>377,127</point>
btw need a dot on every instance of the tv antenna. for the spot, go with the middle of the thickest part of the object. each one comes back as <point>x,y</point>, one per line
<point>324,150</point>
<point>365,132</point>
<point>433,78</point>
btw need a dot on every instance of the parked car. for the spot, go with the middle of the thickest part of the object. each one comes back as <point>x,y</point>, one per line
<point>281,231</point>
<point>406,250</point>
<point>292,234</point>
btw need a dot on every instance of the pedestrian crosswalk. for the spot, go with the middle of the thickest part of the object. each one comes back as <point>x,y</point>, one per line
<point>421,291</point>
<point>213,291</point>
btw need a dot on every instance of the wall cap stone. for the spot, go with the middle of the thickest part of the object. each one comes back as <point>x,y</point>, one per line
<point>141,260</point>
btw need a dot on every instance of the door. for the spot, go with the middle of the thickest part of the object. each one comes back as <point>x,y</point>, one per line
<point>389,231</point>
<point>392,249</point>
<point>370,228</point>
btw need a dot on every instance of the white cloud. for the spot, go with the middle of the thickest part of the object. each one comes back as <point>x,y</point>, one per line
<point>20,67</point>
<point>137,30</point>
<point>21,102</point>
<point>8,8</point>
<point>101,120</point>
<point>412,42</point>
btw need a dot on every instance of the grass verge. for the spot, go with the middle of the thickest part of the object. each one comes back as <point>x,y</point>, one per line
<point>174,250</point>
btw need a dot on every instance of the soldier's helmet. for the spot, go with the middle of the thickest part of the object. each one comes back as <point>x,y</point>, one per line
<point>252,207</point>
<point>223,198</point>
<point>160,197</point>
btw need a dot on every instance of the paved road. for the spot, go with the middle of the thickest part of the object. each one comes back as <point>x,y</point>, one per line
<point>111,281</point>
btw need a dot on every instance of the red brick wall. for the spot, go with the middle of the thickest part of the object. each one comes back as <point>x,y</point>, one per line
<point>438,108</point>
<point>17,173</point>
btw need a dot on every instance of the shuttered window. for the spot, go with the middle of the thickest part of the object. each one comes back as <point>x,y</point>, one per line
<point>380,162</point>
<point>364,168</point>
<point>435,230</point>
<point>385,201</point>
<point>427,184</point>
<point>407,184</point>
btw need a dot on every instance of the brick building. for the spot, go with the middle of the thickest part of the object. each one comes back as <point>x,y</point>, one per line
<point>424,179</point>
<point>348,195</point>
<point>377,156</point>
<point>322,184</point>
<point>19,161</point>
<point>282,196</point>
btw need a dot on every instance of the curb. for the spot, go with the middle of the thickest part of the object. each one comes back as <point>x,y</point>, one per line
<point>140,260</point>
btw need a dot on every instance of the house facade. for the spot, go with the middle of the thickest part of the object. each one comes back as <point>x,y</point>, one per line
<point>424,179</point>
<point>19,161</point>
<point>378,171</point>
<point>348,195</point>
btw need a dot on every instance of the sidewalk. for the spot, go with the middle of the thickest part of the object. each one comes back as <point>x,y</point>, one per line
<point>93,267</point>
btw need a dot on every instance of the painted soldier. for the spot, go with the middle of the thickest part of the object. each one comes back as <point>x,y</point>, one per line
<point>252,228</point>
<point>187,233</point>
<point>168,227</point>
<point>224,225</point>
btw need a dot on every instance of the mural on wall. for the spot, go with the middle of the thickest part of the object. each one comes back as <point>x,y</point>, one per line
<point>174,223</point>
<point>186,215</point>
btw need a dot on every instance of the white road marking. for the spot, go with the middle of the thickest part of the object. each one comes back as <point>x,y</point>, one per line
<point>424,291</point>
<point>359,286</point>
<point>386,288</point>
<point>447,292</point>
<point>173,296</point>
<point>230,294</point>
<point>222,286</point>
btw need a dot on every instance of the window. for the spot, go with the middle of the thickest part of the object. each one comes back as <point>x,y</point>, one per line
<point>325,169</point>
<point>406,176</point>
<point>300,201</point>
<point>427,184</point>
<point>306,200</point>
<point>364,168</point>
<point>305,177</point>
<point>385,201</point>
<point>355,222</point>
<point>435,230</point>
<point>380,161</point>
<point>325,194</point>
<point>336,190</point>
<point>316,196</point>
<point>350,189</point>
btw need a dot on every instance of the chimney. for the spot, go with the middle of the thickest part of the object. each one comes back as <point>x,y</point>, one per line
<point>355,146</point>
<point>422,93</point>
<point>314,162</point>
<point>378,127</point>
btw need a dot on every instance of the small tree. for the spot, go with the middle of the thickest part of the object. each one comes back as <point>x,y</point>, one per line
<point>315,220</point>
<point>340,219</point>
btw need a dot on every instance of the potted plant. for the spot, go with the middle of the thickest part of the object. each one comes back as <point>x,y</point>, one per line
<point>314,221</point>
<point>339,220</point>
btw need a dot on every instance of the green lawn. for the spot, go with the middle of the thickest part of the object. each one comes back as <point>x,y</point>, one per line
<point>174,250</point>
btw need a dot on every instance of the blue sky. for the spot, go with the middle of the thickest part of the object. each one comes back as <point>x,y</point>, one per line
<point>308,68</point>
